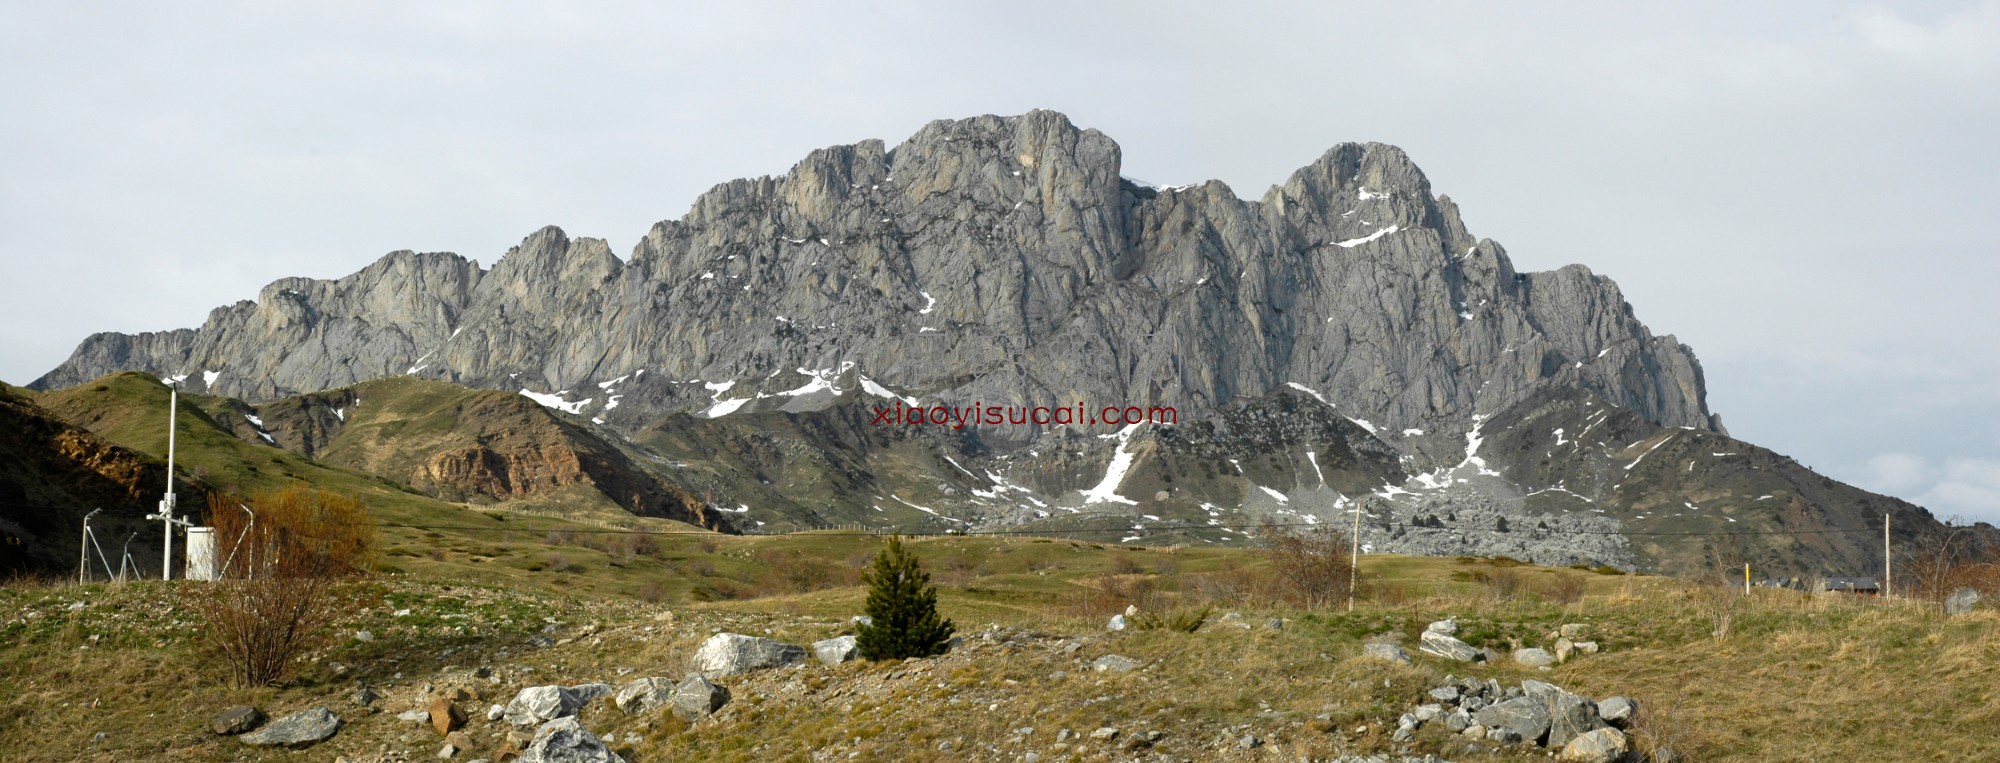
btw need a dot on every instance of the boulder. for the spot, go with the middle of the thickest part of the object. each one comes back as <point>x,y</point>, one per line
<point>1960,601</point>
<point>1117,663</point>
<point>297,731</point>
<point>1387,652</point>
<point>1444,645</point>
<point>236,720</point>
<point>696,698</point>
<point>1446,627</point>
<point>646,695</point>
<point>1446,694</point>
<point>1564,650</point>
<point>1569,717</point>
<point>1605,745</point>
<point>834,651</point>
<point>588,693</point>
<point>1618,711</point>
<point>563,740</point>
<point>1586,647</point>
<point>729,654</point>
<point>445,715</point>
<point>1534,658</point>
<point>1521,717</point>
<point>1457,720</point>
<point>537,705</point>
<point>1574,631</point>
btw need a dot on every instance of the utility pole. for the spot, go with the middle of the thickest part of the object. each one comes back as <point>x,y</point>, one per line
<point>1746,578</point>
<point>166,515</point>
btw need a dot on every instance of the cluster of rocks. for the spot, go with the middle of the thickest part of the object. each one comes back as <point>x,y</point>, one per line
<point>1535,712</point>
<point>1440,639</point>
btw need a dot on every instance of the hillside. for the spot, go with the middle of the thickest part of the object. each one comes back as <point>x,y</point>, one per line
<point>1256,681</point>
<point>52,473</point>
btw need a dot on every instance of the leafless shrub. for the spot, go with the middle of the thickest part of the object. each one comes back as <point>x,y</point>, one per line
<point>278,568</point>
<point>1946,562</point>
<point>1313,565</point>
<point>652,593</point>
<point>558,563</point>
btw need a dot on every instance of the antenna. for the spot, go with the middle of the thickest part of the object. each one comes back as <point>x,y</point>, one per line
<point>166,515</point>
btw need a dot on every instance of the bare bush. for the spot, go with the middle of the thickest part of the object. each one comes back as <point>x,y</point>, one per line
<point>1946,562</point>
<point>1565,588</point>
<point>279,563</point>
<point>1313,565</point>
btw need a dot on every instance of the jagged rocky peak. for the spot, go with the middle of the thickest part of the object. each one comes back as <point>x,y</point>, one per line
<point>994,259</point>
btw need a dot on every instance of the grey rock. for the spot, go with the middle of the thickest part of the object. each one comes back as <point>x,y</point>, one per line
<point>364,696</point>
<point>1446,627</point>
<point>1274,624</point>
<point>1961,601</point>
<point>297,731</point>
<point>1565,649</point>
<point>728,654</point>
<point>1569,716</point>
<point>1249,742</point>
<point>1605,745</point>
<point>1503,735</point>
<point>1575,631</point>
<point>1523,717</point>
<point>1426,713</point>
<point>537,705</point>
<point>1445,646</point>
<point>588,693</point>
<point>1474,731</point>
<point>1116,663</point>
<point>1104,733</point>
<point>496,712</point>
<point>236,720</point>
<point>697,698</point>
<point>645,696</point>
<point>563,740</point>
<point>1534,658</point>
<point>1586,647</point>
<point>1446,694</point>
<point>1457,720</point>
<point>1388,652</point>
<point>835,651</point>
<point>1117,623</point>
<point>1618,711</point>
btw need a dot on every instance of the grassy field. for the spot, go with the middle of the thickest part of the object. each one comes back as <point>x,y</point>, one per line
<point>1791,677</point>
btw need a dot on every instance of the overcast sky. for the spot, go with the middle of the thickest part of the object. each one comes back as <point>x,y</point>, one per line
<point>1805,192</point>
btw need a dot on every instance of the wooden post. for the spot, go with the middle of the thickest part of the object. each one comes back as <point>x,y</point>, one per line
<point>1886,569</point>
<point>1354,560</point>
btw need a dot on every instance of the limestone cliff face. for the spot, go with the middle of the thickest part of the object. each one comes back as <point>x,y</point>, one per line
<point>1002,260</point>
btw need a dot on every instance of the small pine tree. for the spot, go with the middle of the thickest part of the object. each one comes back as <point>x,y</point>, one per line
<point>902,604</point>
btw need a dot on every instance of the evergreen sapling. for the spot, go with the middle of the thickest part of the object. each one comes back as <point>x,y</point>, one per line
<point>902,605</point>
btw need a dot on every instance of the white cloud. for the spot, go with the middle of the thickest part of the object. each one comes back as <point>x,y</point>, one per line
<point>1895,473</point>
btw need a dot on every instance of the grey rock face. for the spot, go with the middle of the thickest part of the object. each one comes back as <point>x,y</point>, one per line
<point>1388,652</point>
<point>696,698</point>
<point>236,720</point>
<point>728,654</point>
<point>835,651</point>
<point>1522,717</point>
<point>643,696</point>
<point>563,740</point>
<point>1004,237</point>
<point>297,731</point>
<point>1447,647</point>
<point>536,705</point>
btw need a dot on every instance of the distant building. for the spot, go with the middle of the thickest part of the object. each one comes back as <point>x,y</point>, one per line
<point>1858,586</point>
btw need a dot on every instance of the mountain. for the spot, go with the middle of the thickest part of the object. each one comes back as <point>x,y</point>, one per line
<point>1341,341</point>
